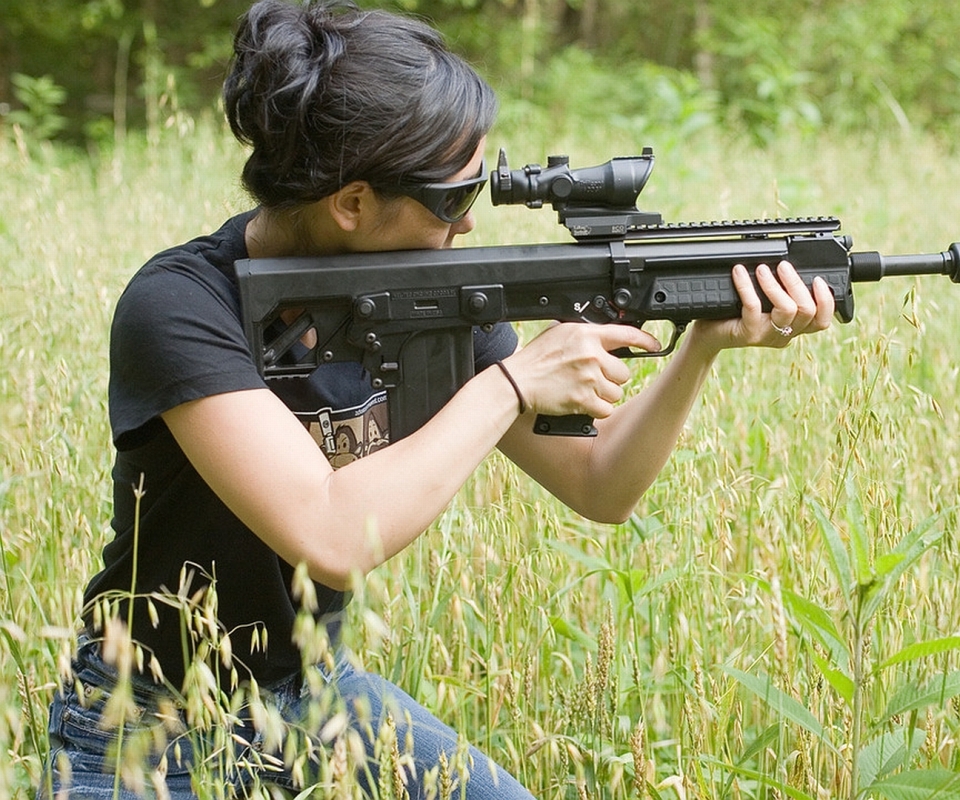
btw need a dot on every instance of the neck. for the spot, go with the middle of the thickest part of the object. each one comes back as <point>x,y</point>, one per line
<point>303,231</point>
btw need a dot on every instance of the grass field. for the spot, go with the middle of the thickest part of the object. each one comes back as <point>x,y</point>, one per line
<point>780,617</point>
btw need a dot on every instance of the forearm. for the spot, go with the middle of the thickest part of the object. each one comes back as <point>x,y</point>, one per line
<point>637,439</point>
<point>634,443</point>
<point>602,478</point>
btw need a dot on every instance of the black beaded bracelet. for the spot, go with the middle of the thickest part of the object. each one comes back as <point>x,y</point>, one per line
<point>513,383</point>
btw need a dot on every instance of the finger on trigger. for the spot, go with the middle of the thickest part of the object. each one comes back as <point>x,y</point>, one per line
<point>614,337</point>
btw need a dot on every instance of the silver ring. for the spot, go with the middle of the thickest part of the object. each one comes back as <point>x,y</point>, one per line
<point>786,330</point>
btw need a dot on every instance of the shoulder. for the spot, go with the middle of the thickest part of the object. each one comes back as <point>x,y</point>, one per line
<point>196,277</point>
<point>177,334</point>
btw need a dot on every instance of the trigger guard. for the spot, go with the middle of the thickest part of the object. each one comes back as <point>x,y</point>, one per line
<point>626,352</point>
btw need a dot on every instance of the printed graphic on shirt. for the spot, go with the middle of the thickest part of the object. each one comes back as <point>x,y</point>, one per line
<point>345,435</point>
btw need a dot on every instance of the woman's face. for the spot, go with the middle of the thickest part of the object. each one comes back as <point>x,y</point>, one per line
<point>405,224</point>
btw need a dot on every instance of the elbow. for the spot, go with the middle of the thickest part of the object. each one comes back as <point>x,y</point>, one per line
<point>613,506</point>
<point>339,566</point>
<point>606,511</point>
<point>620,518</point>
<point>340,576</point>
<point>610,516</point>
<point>330,563</point>
<point>599,506</point>
<point>337,555</point>
<point>332,579</point>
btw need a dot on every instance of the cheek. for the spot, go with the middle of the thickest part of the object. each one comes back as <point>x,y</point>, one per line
<point>417,228</point>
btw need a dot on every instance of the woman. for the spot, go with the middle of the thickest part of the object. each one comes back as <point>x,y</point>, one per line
<point>366,134</point>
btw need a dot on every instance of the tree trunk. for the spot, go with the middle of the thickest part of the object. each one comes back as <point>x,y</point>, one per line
<point>703,60</point>
<point>588,23</point>
<point>528,45</point>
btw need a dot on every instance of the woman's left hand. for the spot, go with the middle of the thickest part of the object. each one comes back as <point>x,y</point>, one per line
<point>796,310</point>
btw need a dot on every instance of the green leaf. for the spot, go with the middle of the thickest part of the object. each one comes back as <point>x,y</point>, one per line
<point>839,680</point>
<point>570,631</point>
<point>911,698</point>
<point>836,551</point>
<point>859,538</point>
<point>592,563</point>
<point>931,647</point>
<point>887,563</point>
<point>760,777</point>
<point>818,623</point>
<point>892,565</point>
<point>631,584</point>
<point>888,752</point>
<point>919,784</point>
<point>783,704</point>
<point>761,743</point>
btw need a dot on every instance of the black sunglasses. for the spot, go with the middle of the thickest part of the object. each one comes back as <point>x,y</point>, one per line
<point>449,202</point>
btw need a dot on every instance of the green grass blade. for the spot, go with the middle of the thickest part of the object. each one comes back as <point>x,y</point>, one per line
<point>891,566</point>
<point>780,702</point>
<point>841,682</point>
<point>859,538</point>
<point>762,778</point>
<point>817,621</point>
<point>888,752</point>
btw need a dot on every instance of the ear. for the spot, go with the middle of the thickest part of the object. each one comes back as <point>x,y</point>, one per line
<point>348,205</point>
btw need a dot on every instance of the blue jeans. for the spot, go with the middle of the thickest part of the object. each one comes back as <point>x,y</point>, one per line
<point>359,706</point>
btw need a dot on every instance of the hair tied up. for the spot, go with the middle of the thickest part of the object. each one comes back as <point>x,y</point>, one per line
<point>327,94</point>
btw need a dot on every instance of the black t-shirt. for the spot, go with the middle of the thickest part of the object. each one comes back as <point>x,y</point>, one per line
<point>177,336</point>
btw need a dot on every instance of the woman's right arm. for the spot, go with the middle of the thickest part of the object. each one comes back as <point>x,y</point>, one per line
<point>264,465</point>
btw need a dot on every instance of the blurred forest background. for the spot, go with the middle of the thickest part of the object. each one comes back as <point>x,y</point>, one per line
<point>91,70</point>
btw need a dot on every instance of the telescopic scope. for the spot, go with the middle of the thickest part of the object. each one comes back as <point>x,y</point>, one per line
<point>613,185</point>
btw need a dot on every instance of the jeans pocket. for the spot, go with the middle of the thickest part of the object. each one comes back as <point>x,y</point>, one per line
<point>81,732</point>
<point>75,731</point>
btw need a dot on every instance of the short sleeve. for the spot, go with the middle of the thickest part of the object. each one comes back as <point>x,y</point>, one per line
<point>176,336</point>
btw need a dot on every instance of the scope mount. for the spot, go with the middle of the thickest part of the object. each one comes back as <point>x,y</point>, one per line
<point>605,224</point>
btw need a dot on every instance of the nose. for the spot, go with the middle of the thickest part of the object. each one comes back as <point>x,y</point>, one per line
<point>465,225</point>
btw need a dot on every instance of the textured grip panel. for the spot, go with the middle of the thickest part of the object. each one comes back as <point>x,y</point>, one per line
<point>678,297</point>
<point>712,295</point>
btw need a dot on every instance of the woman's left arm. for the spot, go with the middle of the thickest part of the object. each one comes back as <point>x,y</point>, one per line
<point>604,477</point>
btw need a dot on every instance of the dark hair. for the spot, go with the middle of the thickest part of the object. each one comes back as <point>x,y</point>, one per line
<point>327,94</point>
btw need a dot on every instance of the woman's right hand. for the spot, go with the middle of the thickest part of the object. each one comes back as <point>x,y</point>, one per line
<point>569,367</point>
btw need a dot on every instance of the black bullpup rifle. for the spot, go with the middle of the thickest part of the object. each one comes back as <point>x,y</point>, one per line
<point>408,316</point>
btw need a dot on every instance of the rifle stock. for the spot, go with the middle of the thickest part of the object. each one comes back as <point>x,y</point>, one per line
<point>409,316</point>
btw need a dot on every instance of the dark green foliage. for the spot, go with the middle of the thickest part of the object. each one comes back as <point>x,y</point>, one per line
<point>765,66</point>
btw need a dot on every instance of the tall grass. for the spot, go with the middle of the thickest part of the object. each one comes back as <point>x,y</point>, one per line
<point>778,617</point>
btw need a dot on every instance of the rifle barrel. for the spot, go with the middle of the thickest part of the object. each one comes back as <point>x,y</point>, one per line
<point>873,266</point>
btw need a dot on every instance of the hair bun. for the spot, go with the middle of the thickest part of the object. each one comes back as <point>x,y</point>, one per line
<point>327,94</point>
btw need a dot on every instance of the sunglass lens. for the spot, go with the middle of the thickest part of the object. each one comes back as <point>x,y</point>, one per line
<point>458,202</point>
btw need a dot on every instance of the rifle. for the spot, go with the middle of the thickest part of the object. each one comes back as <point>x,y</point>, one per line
<point>408,316</point>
